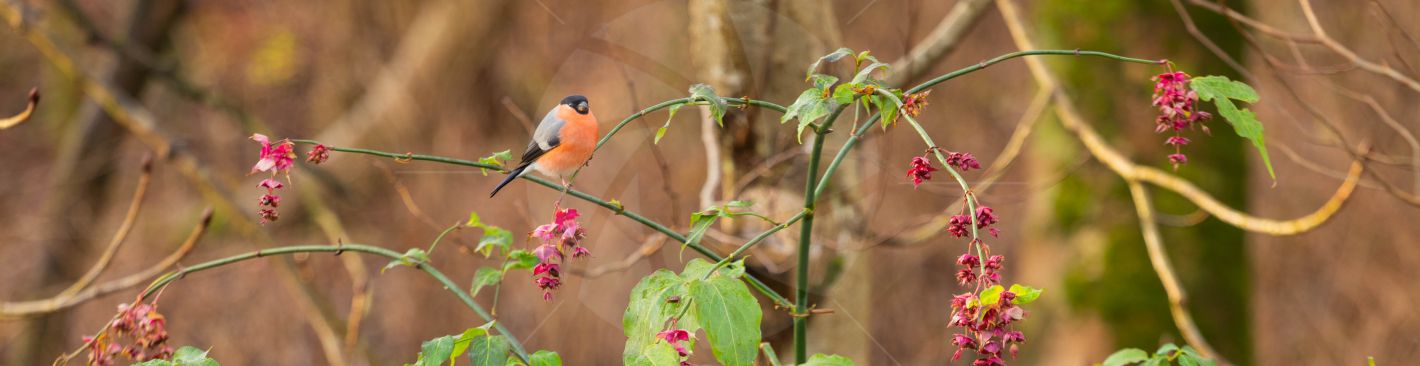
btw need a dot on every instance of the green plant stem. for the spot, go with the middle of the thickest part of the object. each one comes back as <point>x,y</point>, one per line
<point>806,230</point>
<point>164,280</point>
<point>441,237</point>
<point>862,129</point>
<point>616,208</point>
<point>754,241</point>
<point>774,358</point>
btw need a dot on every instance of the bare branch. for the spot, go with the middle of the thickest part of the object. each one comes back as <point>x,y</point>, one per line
<point>10,310</point>
<point>1116,161</point>
<point>1159,258</point>
<point>943,39</point>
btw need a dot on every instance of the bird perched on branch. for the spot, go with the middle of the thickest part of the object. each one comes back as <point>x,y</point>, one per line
<point>563,142</point>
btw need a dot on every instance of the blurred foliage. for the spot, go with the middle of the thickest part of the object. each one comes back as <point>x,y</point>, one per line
<point>1210,256</point>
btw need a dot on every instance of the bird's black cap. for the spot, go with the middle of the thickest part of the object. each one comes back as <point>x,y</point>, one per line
<point>577,102</point>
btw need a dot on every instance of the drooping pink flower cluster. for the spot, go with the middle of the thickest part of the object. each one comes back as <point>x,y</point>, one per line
<point>318,154</point>
<point>563,235</point>
<point>1178,110</point>
<point>987,328</point>
<point>960,225</point>
<point>963,161</point>
<point>276,158</point>
<point>920,171</point>
<point>143,325</point>
<point>912,104</point>
<point>921,168</point>
<point>678,339</point>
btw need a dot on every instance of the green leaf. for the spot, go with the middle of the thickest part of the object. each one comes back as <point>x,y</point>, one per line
<point>461,344</point>
<point>991,295</point>
<point>866,74</point>
<point>411,257</point>
<point>435,351</point>
<point>646,314</point>
<point>473,220</point>
<point>888,108</point>
<point>700,223</point>
<point>496,159</point>
<point>730,316</point>
<point>843,94</point>
<point>1222,91</point>
<point>158,362</point>
<point>514,361</point>
<point>489,350</point>
<point>835,56</point>
<point>1209,87</point>
<point>191,356</point>
<point>702,92</point>
<point>657,354</point>
<point>661,132</point>
<point>1166,349</point>
<point>493,238</point>
<point>810,106</point>
<point>1126,356</point>
<point>545,358</point>
<point>1024,294</point>
<point>819,359</point>
<point>520,259</point>
<point>485,277</point>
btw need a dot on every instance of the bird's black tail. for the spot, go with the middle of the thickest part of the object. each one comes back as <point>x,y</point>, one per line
<point>511,176</point>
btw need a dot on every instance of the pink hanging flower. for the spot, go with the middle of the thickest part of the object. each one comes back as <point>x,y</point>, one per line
<point>1178,110</point>
<point>279,156</point>
<point>564,234</point>
<point>318,154</point>
<point>920,171</point>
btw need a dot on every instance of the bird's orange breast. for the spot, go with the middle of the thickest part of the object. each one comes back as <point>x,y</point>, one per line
<point>578,139</point>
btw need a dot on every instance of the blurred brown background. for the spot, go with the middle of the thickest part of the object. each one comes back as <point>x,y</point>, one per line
<point>461,78</point>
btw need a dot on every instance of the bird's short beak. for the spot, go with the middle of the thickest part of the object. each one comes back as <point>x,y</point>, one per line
<point>582,107</point>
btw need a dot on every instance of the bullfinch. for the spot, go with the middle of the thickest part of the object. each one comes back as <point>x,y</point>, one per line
<point>563,141</point>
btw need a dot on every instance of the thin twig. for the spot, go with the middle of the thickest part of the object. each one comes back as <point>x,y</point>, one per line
<point>1159,258</point>
<point>129,218</point>
<point>61,302</point>
<point>1340,49</point>
<point>1116,161</point>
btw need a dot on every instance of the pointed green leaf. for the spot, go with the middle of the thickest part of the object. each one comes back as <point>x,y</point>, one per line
<point>485,277</point>
<point>496,159</point>
<point>866,74</point>
<point>435,351</point>
<point>1024,294</point>
<point>823,82</point>
<point>545,358</point>
<point>1210,87</point>
<point>661,132</point>
<point>700,223</point>
<point>730,316</point>
<point>489,350</point>
<point>1166,349</point>
<point>494,238</point>
<point>991,295</point>
<point>843,94</point>
<point>835,56</point>
<point>1126,356</point>
<point>461,344</point>
<point>192,356</point>
<point>520,259</point>
<point>819,359</point>
<point>718,107</point>
<point>657,298</point>
<point>410,258</point>
<point>1221,91</point>
<point>473,220</point>
<point>657,354</point>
